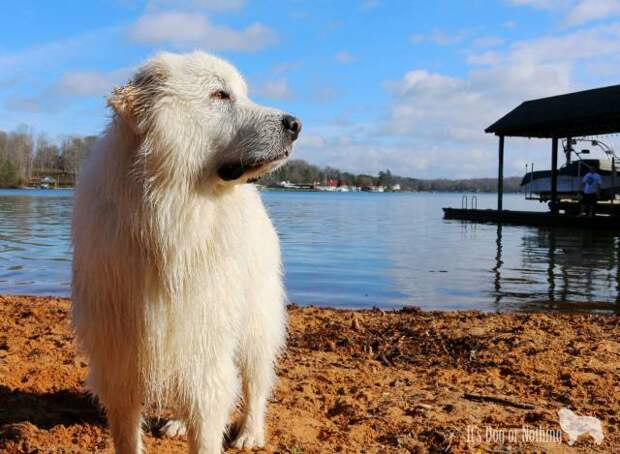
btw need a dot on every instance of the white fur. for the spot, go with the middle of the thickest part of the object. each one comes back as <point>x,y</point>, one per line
<point>176,275</point>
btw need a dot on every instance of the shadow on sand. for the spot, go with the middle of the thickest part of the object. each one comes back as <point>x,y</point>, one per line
<point>46,410</point>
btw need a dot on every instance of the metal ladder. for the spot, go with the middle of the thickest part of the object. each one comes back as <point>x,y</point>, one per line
<point>465,205</point>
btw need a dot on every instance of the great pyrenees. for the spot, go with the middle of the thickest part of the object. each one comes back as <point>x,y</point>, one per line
<point>177,286</point>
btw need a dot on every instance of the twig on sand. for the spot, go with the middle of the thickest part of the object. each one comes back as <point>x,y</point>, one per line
<point>498,400</point>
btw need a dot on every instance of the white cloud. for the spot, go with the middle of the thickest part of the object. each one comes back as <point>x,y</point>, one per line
<point>184,29</point>
<point>488,41</point>
<point>70,86</point>
<point>589,44</point>
<point>44,97</point>
<point>54,53</point>
<point>353,149</point>
<point>345,57</point>
<point>30,104</point>
<point>286,67</point>
<point>442,38</point>
<point>576,12</point>
<point>220,5</point>
<point>368,4</point>
<point>83,83</point>
<point>299,15</point>
<point>439,37</point>
<point>9,82</point>
<point>90,83</point>
<point>434,124</point>
<point>213,5</point>
<point>311,141</point>
<point>542,4</point>
<point>274,89</point>
<point>590,10</point>
<point>325,94</point>
<point>432,108</point>
<point>483,58</point>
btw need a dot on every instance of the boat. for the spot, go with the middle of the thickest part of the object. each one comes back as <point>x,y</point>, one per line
<point>48,183</point>
<point>537,184</point>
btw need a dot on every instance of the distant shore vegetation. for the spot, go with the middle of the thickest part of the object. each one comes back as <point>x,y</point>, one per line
<point>29,160</point>
<point>300,172</point>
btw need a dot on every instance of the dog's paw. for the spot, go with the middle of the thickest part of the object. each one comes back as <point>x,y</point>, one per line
<point>249,439</point>
<point>173,429</point>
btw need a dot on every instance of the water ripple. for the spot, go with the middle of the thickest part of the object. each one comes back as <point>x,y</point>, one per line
<point>364,250</point>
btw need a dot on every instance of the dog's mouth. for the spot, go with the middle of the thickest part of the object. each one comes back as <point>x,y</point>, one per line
<point>232,171</point>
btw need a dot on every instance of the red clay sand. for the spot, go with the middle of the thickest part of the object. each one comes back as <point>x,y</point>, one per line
<point>350,381</point>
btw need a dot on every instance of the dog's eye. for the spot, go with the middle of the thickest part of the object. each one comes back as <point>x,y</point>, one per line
<point>220,94</point>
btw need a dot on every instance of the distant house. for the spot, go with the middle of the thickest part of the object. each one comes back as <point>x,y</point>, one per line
<point>396,187</point>
<point>330,185</point>
<point>288,185</point>
<point>48,183</point>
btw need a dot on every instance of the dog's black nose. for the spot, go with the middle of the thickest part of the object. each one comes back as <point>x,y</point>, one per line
<point>292,125</point>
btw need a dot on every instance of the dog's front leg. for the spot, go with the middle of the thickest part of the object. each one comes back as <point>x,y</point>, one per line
<point>259,349</point>
<point>207,413</point>
<point>125,419</point>
<point>125,425</point>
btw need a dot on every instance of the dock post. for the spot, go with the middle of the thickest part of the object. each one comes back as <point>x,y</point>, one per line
<point>555,208</point>
<point>613,184</point>
<point>500,175</point>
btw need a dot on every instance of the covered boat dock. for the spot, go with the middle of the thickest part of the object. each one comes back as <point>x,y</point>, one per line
<point>586,113</point>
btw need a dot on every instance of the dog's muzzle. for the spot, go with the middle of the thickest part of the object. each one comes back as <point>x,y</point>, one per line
<point>234,170</point>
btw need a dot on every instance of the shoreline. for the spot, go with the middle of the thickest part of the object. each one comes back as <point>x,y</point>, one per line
<point>351,381</point>
<point>279,189</point>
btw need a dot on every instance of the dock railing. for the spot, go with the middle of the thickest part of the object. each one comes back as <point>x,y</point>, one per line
<point>465,204</point>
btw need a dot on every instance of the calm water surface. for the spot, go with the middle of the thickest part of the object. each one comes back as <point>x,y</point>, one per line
<point>363,250</point>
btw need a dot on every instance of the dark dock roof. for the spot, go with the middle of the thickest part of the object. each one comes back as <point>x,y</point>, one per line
<point>584,113</point>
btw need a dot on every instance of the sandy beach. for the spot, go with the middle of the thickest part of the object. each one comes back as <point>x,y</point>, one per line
<point>351,381</point>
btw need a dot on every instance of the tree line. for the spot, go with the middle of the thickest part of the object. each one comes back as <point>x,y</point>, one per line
<point>301,172</point>
<point>26,158</point>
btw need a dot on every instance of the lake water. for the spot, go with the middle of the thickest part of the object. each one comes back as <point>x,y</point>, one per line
<point>361,250</point>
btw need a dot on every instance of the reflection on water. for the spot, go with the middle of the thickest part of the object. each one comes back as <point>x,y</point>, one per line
<point>362,250</point>
<point>580,267</point>
<point>34,241</point>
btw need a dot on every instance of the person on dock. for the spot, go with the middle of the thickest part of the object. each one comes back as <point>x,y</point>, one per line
<point>591,188</point>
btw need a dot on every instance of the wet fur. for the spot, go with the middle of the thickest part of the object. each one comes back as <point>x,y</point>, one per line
<point>177,286</point>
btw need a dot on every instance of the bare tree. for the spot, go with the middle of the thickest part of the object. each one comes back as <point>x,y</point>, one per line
<point>74,151</point>
<point>22,148</point>
<point>47,154</point>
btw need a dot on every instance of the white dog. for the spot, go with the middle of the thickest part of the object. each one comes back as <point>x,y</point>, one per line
<point>176,273</point>
<point>575,425</point>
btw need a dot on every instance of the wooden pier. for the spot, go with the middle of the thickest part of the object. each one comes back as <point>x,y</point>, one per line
<point>582,114</point>
<point>534,218</point>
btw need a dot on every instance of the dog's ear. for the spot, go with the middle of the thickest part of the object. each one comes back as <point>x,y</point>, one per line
<point>123,101</point>
<point>132,101</point>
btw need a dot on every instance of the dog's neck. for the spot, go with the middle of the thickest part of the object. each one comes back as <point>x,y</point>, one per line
<point>171,204</point>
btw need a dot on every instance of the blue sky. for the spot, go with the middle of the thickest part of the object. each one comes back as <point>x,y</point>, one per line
<point>405,85</point>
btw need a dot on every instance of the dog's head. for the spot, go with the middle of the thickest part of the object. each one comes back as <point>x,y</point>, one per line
<point>194,120</point>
